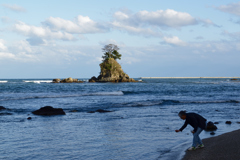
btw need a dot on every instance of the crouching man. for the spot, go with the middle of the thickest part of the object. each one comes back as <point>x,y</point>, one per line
<point>198,123</point>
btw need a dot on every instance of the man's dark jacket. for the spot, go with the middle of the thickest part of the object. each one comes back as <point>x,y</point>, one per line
<point>195,120</point>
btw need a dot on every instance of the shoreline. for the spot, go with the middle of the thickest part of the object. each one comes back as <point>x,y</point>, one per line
<point>189,77</point>
<point>222,147</point>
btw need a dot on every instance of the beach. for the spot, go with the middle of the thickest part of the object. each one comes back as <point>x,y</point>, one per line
<point>222,147</point>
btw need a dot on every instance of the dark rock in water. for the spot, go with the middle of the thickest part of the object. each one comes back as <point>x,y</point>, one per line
<point>2,108</point>
<point>67,80</point>
<point>29,118</point>
<point>234,79</point>
<point>56,80</point>
<point>212,133</point>
<point>93,79</point>
<point>238,122</point>
<point>73,111</point>
<point>102,111</point>
<point>216,123</point>
<point>210,126</point>
<point>228,122</point>
<point>48,111</point>
<point>91,112</point>
<point>99,111</point>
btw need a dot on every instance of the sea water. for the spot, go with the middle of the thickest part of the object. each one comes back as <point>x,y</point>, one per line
<point>141,125</point>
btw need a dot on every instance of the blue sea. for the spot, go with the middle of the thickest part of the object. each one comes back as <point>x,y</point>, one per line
<point>141,125</point>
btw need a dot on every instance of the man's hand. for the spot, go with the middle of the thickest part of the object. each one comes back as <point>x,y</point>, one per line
<point>192,131</point>
<point>177,130</point>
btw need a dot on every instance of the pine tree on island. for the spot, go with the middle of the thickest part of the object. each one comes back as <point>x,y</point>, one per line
<point>111,51</point>
<point>111,70</point>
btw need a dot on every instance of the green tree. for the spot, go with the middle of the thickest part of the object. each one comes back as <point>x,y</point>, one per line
<point>111,51</point>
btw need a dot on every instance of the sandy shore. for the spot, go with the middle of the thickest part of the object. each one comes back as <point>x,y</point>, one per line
<point>223,147</point>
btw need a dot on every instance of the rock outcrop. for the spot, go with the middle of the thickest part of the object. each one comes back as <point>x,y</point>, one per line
<point>111,71</point>
<point>67,80</point>
<point>211,126</point>
<point>2,108</point>
<point>49,111</point>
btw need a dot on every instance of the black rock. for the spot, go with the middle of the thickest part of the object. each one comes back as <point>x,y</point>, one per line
<point>99,111</point>
<point>2,108</point>
<point>91,112</point>
<point>228,122</point>
<point>48,111</point>
<point>210,126</point>
<point>216,123</point>
<point>29,118</point>
<point>212,133</point>
<point>102,111</point>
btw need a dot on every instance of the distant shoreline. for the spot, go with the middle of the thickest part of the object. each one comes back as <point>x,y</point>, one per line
<point>187,77</point>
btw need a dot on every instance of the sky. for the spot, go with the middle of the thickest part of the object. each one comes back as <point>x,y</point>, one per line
<point>157,38</point>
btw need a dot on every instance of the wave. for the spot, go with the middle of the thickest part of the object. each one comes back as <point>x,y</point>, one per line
<point>3,81</point>
<point>39,81</point>
<point>172,102</point>
<point>114,93</point>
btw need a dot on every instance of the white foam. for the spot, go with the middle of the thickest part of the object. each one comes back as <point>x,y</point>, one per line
<point>39,81</point>
<point>3,81</point>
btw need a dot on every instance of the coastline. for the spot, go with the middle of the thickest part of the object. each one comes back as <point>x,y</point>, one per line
<point>189,77</point>
<point>222,147</point>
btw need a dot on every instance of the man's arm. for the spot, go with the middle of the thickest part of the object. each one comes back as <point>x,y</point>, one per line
<point>184,126</point>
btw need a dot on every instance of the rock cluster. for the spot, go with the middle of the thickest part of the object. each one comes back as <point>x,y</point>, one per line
<point>211,126</point>
<point>111,71</point>
<point>67,80</point>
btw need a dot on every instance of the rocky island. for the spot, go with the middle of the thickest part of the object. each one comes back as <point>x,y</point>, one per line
<point>111,70</point>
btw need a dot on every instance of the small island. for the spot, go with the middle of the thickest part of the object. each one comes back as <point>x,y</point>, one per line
<point>111,70</point>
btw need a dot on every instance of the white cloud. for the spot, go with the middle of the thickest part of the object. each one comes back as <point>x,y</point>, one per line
<point>2,45</point>
<point>81,25</point>
<point>151,24</point>
<point>147,32</point>
<point>14,7</point>
<point>160,18</point>
<point>232,8</point>
<point>174,41</point>
<point>41,32</point>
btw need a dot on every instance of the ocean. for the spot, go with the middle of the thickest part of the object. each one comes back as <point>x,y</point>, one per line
<point>141,125</point>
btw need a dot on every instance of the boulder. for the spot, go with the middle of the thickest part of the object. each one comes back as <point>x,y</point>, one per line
<point>67,80</point>
<point>228,122</point>
<point>2,108</point>
<point>56,80</point>
<point>48,111</point>
<point>99,111</point>
<point>212,133</point>
<point>93,79</point>
<point>210,126</point>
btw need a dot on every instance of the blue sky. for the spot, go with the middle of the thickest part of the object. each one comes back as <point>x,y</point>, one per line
<point>59,38</point>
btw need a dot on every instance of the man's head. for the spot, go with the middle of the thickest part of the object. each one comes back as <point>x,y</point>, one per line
<point>182,115</point>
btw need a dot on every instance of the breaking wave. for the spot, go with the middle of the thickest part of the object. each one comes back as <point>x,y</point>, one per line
<point>3,81</point>
<point>39,81</point>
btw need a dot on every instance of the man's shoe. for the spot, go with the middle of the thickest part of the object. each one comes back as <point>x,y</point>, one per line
<point>191,148</point>
<point>200,146</point>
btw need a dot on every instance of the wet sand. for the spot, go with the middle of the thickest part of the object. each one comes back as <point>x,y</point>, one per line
<point>222,147</point>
